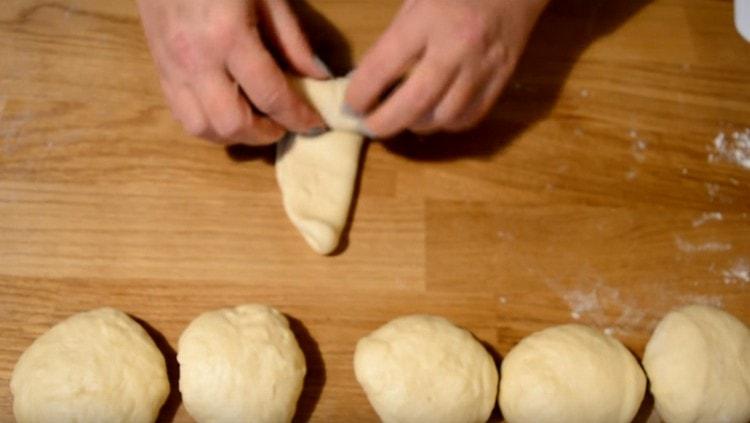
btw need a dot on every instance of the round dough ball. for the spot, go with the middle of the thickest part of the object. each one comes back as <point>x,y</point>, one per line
<point>570,373</point>
<point>698,362</point>
<point>240,365</point>
<point>97,366</point>
<point>425,369</point>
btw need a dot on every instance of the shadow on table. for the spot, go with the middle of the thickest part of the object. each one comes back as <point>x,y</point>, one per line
<point>496,415</point>
<point>325,39</point>
<point>562,34</point>
<point>647,409</point>
<point>315,378</point>
<point>169,409</point>
<point>344,239</point>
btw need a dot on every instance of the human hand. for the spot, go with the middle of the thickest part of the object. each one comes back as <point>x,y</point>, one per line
<point>213,66</point>
<point>454,57</point>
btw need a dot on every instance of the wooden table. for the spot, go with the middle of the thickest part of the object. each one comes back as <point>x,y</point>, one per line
<point>593,192</point>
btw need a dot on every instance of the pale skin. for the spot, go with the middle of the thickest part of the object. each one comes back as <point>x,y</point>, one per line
<point>451,59</point>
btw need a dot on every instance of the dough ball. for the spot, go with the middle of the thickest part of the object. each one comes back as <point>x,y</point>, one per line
<point>698,362</point>
<point>425,369</point>
<point>240,365</point>
<point>570,373</point>
<point>97,366</point>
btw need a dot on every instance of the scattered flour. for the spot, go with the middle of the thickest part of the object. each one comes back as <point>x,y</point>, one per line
<point>584,93</point>
<point>505,236</point>
<point>582,302</point>
<point>707,217</point>
<point>707,247</point>
<point>631,174</point>
<point>709,300</point>
<point>502,300</point>
<point>638,148</point>
<point>733,148</point>
<point>630,315</point>
<point>712,190</point>
<point>739,273</point>
<point>594,304</point>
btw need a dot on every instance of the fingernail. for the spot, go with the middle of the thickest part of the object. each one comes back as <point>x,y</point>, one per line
<point>322,66</point>
<point>287,136</point>
<point>347,110</point>
<point>320,130</point>
<point>366,131</point>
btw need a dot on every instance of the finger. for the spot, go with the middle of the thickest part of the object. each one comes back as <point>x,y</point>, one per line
<point>186,109</point>
<point>397,50</point>
<point>454,103</point>
<point>230,116</point>
<point>288,35</point>
<point>481,104</point>
<point>415,97</point>
<point>267,87</point>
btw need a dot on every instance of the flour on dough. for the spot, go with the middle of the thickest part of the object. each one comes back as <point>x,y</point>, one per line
<point>97,366</point>
<point>317,174</point>
<point>698,363</point>
<point>240,364</point>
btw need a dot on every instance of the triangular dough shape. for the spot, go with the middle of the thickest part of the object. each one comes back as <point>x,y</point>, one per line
<point>317,174</point>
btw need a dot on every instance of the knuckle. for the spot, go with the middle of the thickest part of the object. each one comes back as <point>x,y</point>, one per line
<point>219,35</point>
<point>421,94</point>
<point>195,127</point>
<point>472,30</point>
<point>418,102</point>
<point>445,117</point>
<point>498,54</point>
<point>183,50</point>
<point>190,48</point>
<point>228,127</point>
<point>271,101</point>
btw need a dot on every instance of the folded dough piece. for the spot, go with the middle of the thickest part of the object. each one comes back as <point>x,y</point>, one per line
<point>317,174</point>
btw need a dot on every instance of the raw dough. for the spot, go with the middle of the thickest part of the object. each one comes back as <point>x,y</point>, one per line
<point>317,174</point>
<point>327,97</point>
<point>240,365</point>
<point>570,373</point>
<point>97,366</point>
<point>698,362</point>
<point>424,369</point>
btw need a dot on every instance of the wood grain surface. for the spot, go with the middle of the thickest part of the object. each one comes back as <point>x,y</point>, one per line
<point>592,193</point>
